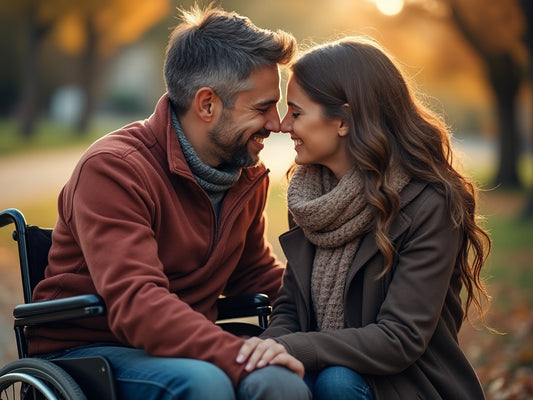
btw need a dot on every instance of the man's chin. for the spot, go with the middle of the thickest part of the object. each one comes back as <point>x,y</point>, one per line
<point>251,162</point>
<point>241,161</point>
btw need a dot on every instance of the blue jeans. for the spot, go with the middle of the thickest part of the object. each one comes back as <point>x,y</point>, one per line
<point>140,376</point>
<point>338,383</point>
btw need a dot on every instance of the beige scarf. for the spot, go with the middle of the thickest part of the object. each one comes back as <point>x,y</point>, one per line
<point>333,215</point>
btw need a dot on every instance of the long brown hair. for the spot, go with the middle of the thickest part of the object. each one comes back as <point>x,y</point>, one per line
<point>391,128</point>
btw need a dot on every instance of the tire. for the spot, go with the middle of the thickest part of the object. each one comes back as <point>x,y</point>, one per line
<point>36,379</point>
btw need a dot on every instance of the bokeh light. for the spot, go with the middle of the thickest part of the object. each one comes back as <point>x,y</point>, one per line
<point>390,7</point>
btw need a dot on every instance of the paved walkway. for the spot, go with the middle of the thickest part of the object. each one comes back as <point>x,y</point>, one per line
<point>28,176</point>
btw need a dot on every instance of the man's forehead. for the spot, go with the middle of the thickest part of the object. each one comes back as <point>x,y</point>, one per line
<point>263,87</point>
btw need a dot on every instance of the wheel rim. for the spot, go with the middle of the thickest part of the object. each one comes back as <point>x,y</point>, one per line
<point>12,378</point>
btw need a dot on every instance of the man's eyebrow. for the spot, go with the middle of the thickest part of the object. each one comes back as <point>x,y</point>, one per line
<point>266,103</point>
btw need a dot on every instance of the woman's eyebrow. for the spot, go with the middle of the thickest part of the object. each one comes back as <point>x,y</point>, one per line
<point>294,105</point>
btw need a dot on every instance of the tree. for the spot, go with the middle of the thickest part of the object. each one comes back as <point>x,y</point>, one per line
<point>91,30</point>
<point>527,7</point>
<point>39,18</point>
<point>495,30</point>
<point>94,30</point>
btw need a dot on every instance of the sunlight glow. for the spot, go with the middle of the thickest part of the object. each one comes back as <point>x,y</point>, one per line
<point>390,7</point>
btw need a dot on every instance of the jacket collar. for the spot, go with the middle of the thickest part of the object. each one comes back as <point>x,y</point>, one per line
<point>160,125</point>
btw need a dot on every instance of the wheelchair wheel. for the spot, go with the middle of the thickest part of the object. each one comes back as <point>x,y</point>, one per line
<point>37,379</point>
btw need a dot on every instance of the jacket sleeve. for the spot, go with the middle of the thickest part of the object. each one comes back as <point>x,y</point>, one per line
<point>410,311</point>
<point>259,270</point>
<point>110,217</point>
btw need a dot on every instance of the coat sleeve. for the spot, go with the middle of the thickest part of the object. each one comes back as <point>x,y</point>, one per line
<point>410,311</point>
<point>284,319</point>
<point>111,216</point>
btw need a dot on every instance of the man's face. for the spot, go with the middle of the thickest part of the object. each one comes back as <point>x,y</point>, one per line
<point>238,136</point>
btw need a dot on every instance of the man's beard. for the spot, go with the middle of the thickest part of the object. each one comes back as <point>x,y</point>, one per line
<point>231,154</point>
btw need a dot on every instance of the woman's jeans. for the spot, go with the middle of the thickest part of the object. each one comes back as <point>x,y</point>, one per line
<point>338,383</point>
<point>140,376</point>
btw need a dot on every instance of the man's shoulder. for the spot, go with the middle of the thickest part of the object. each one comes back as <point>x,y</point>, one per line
<point>122,142</point>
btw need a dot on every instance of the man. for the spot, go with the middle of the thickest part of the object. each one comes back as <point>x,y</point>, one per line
<point>163,216</point>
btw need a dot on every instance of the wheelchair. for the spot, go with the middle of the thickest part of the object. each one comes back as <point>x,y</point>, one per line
<point>84,378</point>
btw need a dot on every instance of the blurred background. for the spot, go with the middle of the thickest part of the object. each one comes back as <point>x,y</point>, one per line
<point>73,70</point>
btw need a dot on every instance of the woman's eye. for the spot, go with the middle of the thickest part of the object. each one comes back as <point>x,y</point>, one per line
<point>295,114</point>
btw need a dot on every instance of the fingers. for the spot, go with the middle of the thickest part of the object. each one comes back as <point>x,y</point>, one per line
<point>258,353</point>
<point>288,361</point>
<point>247,349</point>
<point>263,354</point>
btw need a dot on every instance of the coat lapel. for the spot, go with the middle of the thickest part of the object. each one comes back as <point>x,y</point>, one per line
<point>368,247</point>
<point>300,254</point>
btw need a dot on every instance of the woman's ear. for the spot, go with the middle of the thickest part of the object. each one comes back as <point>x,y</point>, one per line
<point>343,123</point>
<point>204,103</point>
<point>343,128</point>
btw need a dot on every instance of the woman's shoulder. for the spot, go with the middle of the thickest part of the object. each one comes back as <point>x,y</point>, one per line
<point>425,203</point>
<point>420,192</point>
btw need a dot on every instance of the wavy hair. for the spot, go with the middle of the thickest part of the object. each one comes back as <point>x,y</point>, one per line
<point>391,128</point>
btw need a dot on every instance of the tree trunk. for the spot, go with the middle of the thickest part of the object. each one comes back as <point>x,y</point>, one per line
<point>528,210</point>
<point>87,79</point>
<point>505,77</point>
<point>29,101</point>
<point>527,7</point>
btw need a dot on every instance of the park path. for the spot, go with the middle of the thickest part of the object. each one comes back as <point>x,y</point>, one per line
<point>30,175</point>
<point>26,176</point>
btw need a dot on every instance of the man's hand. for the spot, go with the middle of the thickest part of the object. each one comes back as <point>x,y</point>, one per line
<point>258,353</point>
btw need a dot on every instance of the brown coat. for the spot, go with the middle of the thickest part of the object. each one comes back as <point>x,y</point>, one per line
<point>401,330</point>
<point>135,227</point>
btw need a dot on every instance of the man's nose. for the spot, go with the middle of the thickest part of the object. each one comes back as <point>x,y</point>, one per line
<point>273,123</point>
<point>285,125</point>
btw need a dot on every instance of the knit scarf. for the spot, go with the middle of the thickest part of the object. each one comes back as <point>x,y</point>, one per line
<point>215,182</point>
<point>334,214</point>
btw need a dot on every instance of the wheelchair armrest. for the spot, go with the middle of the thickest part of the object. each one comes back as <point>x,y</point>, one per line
<point>89,305</point>
<point>248,305</point>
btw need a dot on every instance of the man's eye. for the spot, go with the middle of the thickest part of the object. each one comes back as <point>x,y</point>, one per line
<point>262,110</point>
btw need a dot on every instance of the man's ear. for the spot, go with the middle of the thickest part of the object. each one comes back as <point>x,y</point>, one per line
<point>205,103</point>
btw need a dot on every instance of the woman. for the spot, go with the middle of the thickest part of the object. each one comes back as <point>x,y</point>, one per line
<point>386,237</point>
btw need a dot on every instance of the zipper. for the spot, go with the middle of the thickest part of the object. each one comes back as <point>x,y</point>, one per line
<point>229,215</point>
<point>237,205</point>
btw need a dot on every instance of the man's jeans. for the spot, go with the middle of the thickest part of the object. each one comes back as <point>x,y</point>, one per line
<point>140,376</point>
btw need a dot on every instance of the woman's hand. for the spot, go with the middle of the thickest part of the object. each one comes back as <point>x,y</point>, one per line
<point>258,353</point>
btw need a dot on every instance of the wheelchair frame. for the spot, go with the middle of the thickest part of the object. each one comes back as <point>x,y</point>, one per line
<point>90,377</point>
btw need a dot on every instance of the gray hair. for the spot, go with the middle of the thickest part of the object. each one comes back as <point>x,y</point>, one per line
<point>217,49</point>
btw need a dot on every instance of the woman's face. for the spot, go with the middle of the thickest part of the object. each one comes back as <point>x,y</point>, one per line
<point>317,140</point>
